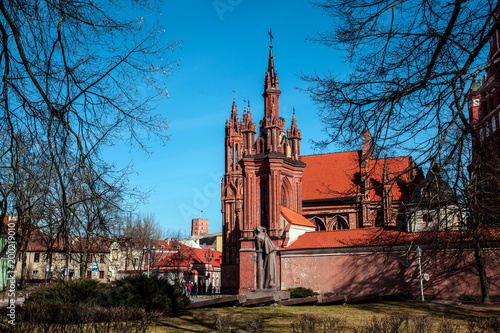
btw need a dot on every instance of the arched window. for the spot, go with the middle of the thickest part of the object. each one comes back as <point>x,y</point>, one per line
<point>319,223</point>
<point>337,223</point>
<point>286,190</point>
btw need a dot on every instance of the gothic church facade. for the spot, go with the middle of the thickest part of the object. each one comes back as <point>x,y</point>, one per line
<point>268,183</point>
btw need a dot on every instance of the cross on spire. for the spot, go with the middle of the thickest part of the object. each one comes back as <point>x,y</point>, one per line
<point>271,37</point>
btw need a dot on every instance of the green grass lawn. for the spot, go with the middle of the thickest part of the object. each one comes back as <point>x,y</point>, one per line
<point>281,318</point>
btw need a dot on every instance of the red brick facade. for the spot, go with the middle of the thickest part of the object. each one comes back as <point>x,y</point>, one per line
<point>335,191</point>
<point>261,175</point>
<point>484,114</point>
<point>199,227</point>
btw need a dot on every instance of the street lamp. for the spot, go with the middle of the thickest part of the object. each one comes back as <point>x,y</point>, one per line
<point>419,255</point>
<point>148,249</point>
<point>209,256</point>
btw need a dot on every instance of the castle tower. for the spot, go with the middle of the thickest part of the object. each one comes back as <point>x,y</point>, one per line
<point>199,227</point>
<point>262,175</point>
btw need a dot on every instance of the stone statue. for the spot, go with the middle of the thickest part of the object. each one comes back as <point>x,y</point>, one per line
<point>266,260</point>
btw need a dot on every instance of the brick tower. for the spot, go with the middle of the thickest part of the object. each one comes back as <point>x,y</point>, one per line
<point>199,227</point>
<point>261,175</point>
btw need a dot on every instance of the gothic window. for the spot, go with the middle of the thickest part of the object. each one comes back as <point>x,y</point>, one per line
<point>264,203</point>
<point>284,199</point>
<point>237,157</point>
<point>427,218</point>
<point>338,223</point>
<point>379,220</point>
<point>285,193</point>
<point>320,225</point>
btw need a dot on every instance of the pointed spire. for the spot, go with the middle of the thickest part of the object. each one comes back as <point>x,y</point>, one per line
<point>294,131</point>
<point>386,172</point>
<point>271,81</point>
<point>294,137</point>
<point>367,147</point>
<point>233,121</point>
<point>246,122</point>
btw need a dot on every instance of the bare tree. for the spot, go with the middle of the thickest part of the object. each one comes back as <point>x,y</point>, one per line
<point>76,75</point>
<point>138,241</point>
<point>414,66</point>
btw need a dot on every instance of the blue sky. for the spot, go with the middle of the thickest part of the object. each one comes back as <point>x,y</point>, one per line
<point>224,48</point>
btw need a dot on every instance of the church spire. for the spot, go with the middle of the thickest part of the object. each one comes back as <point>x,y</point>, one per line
<point>272,126</point>
<point>271,81</point>
<point>294,138</point>
<point>233,120</point>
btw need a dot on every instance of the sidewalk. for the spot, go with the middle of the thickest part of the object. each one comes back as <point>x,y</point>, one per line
<point>4,299</point>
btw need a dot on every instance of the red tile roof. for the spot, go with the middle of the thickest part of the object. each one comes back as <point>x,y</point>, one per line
<point>186,256</point>
<point>399,168</point>
<point>337,175</point>
<point>338,238</point>
<point>330,175</point>
<point>42,242</point>
<point>295,218</point>
<point>381,237</point>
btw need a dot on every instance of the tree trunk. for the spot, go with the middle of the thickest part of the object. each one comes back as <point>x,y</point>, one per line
<point>481,269</point>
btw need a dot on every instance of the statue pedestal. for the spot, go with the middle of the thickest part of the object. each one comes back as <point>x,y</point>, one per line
<point>258,293</point>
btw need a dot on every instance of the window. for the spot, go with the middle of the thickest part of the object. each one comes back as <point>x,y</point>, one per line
<point>101,274</point>
<point>35,274</point>
<point>101,258</point>
<point>427,218</point>
<point>89,274</point>
<point>37,257</point>
<point>89,258</point>
<point>114,254</point>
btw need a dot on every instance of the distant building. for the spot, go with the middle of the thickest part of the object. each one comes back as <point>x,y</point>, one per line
<point>484,114</point>
<point>47,258</point>
<point>199,227</point>
<point>203,240</point>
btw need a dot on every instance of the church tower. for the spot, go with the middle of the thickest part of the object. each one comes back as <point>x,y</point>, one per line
<point>261,176</point>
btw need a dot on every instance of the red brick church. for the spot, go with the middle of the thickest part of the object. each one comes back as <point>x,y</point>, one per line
<point>341,201</point>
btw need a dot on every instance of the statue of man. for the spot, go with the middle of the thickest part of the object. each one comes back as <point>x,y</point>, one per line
<point>266,259</point>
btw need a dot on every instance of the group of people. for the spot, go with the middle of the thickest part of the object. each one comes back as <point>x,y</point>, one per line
<point>192,289</point>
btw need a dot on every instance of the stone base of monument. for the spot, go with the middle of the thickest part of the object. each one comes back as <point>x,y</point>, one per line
<point>258,297</point>
<point>259,293</point>
<point>264,297</point>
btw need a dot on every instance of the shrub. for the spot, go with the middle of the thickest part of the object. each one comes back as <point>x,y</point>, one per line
<point>316,324</point>
<point>301,292</point>
<point>420,324</point>
<point>138,291</point>
<point>224,323</point>
<point>483,325</point>
<point>149,293</point>
<point>77,318</point>
<point>78,291</point>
